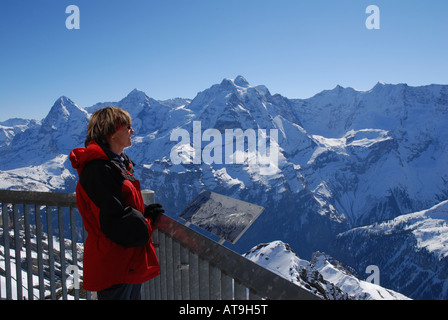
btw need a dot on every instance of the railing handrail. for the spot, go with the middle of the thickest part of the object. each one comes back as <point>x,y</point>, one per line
<point>38,197</point>
<point>259,280</point>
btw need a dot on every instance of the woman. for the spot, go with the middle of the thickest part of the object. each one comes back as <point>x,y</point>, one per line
<point>118,252</point>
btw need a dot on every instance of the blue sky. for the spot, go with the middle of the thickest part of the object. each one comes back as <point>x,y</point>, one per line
<point>176,48</point>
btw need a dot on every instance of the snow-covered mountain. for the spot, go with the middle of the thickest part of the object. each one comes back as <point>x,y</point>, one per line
<point>346,158</point>
<point>411,251</point>
<point>37,158</point>
<point>387,144</point>
<point>324,276</point>
<point>11,127</point>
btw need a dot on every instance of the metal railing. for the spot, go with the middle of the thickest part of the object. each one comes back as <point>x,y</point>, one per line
<point>192,265</point>
<point>35,255</point>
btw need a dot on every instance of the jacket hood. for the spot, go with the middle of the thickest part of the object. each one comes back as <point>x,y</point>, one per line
<point>79,157</point>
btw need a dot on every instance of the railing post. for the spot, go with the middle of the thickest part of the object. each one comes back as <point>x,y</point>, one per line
<point>39,248</point>
<point>177,294</point>
<point>184,270</point>
<point>194,275</point>
<point>29,261</point>
<point>155,286</point>
<point>18,259</point>
<point>226,287</point>
<point>62,252</point>
<point>240,290</point>
<point>74,249</point>
<point>5,214</point>
<point>204,280</point>
<point>215,283</point>
<point>50,252</point>
<point>162,263</point>
<point>169,267</point>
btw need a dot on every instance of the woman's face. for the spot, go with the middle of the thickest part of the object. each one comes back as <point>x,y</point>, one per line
<point>122,138</point>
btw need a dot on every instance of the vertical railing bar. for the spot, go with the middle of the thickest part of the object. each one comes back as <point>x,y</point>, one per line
<point>152,283</point>
<point>156,281</point>
<point>215,283</point>
<point>177,266</point>
<point>204,280</point>
<point>148,287</point>
<point>162,262</point>
<point>5,214</point>
<point>1,287</point>
<point>169,267</point>
<point>226,287</point>
<point>145,290</point>
<point>51,261</point>
<point>17,253</point>
<point>155,289</point>
<point>62,252</point>
<point>40,268</point>
<point>84,237</point>
<point>240,290</point>
<point>185,273</point>
<point>152,289</point>
<point>74,250</point>
<point>150,292</point>
<point>73,236</point>
<point>194,275</point>
<point>4,236</point>
<point>29,260</point>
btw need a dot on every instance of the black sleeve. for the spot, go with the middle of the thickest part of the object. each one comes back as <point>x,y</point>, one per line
<point>124,225</point>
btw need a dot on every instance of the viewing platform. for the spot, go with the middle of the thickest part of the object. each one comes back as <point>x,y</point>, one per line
<point>41,247</point>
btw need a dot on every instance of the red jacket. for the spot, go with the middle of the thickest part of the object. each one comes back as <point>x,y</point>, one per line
<point>118,248</point>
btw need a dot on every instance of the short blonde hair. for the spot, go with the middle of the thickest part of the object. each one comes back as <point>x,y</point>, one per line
<point>105,122</point>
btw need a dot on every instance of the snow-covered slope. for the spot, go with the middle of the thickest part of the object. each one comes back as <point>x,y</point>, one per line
<point>411,251</point>
<point>323,275</point>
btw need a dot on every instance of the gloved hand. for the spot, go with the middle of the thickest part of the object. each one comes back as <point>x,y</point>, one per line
<point>153,212</point>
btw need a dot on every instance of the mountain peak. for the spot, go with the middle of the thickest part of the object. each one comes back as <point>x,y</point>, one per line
<point>240,81</point>
<point>136,90</point>
<point>63,110</point>
<point>64,100</point>
<point>135,99</point>
<point>379,85</point>
<point>64,105</point>
<point>136,93</point>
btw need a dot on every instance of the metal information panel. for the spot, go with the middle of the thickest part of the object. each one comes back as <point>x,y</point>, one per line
<point>220,215</point>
